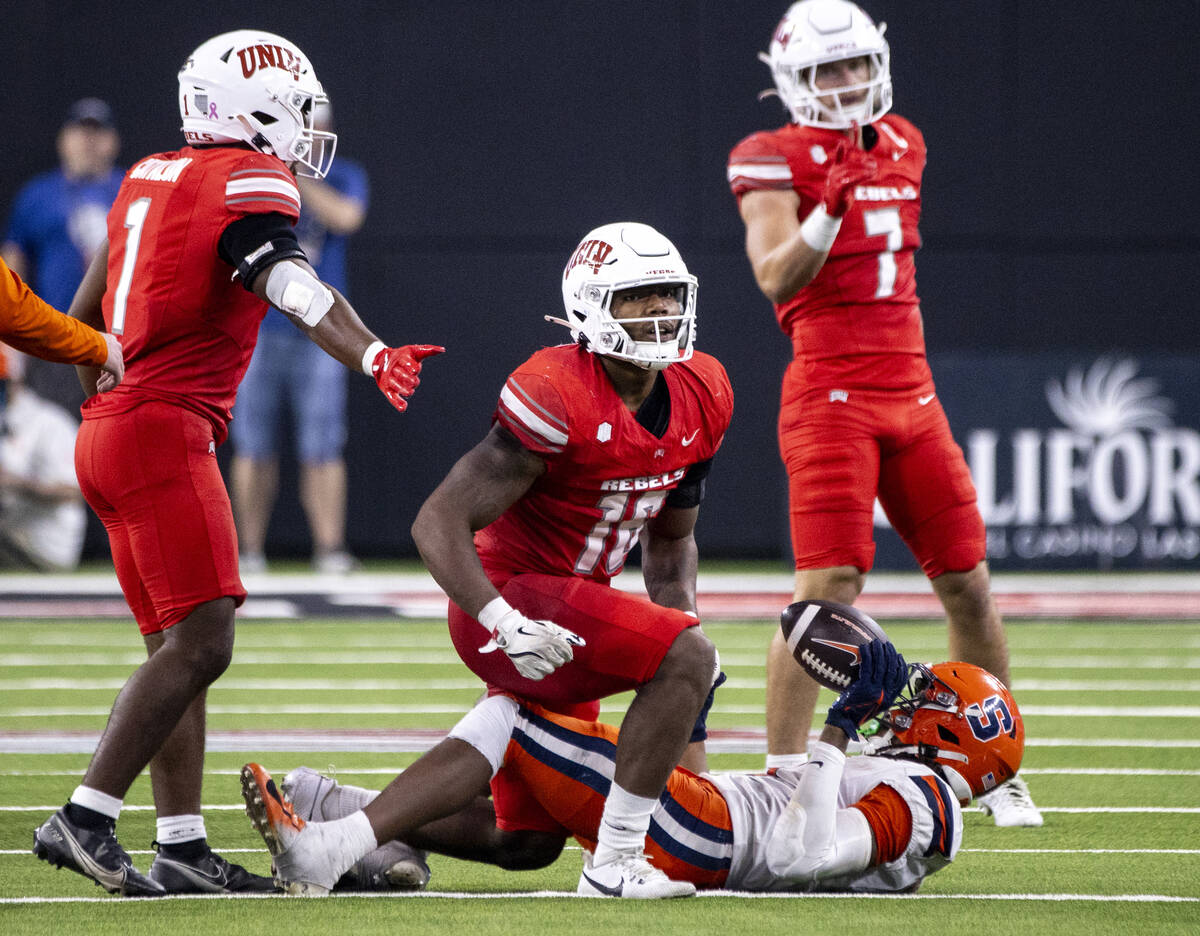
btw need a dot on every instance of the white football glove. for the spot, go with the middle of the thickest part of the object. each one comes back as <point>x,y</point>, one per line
<point>536,648</point>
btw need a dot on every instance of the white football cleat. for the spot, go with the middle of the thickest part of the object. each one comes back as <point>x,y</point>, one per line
<point>308,858</point>
<point>1011,805</point>
<point>306,789</point>
<point>631,876</point>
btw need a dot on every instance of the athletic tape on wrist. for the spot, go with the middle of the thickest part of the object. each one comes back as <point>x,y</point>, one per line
<point>492,612</point>
<point>368,357</point>
<point>820,229</point>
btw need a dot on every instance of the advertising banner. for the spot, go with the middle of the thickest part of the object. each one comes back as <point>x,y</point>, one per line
<point>1079,461</point>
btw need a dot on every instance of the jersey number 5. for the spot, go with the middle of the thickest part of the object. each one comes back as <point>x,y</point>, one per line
<point>611,539</point>
<point>135,218</point>
<point>885,222</point>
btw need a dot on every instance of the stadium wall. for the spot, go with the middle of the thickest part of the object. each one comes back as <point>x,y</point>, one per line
<point>496,134</point>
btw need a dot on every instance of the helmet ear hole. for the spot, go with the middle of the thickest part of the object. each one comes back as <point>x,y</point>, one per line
<point>263,118</point>
<point>947,735</point>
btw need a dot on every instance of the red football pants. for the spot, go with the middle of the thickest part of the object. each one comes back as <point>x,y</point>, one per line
<point>626,637</point>
<point>842,450</point>
<point>151,475</point>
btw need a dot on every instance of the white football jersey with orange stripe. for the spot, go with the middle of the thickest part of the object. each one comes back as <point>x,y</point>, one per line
<point>186,325</point>
<point>606,474</point>
<point>756,801</point>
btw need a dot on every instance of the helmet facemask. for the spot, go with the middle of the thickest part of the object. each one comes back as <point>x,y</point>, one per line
<point>310,150</point>
<point>823,107</point>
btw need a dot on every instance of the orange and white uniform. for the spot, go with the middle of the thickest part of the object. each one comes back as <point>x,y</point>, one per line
<point>553,772</point>
<point>35,327</point>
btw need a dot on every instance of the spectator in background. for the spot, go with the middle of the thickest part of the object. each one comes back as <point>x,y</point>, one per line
<point>288,370</point>
<point>58,221</point>
<point>42,518</point>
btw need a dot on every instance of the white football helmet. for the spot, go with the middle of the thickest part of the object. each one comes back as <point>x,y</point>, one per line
<point>814,32</point>
<point>255,87</point>
<point>621,256</point>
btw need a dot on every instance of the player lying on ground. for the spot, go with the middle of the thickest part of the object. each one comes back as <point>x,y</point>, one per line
<point>877,822</point>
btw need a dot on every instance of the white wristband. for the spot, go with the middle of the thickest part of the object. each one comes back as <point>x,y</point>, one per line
<point>369,356</point>
<point>819,229</point>
<point>492,612</point>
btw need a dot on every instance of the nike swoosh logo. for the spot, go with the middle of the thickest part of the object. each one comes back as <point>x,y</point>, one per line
<point>686,440</point>
<point>838,645</point>
<point>922,400</point>
<point>611,891</point>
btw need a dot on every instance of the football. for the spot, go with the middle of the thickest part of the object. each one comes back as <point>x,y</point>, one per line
<point>825,636</point>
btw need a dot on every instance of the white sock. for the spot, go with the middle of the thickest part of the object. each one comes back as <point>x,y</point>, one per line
<point>345,799</point>
<point>623,825</point>
<point>175,830</point>
<point>786,760</point>
<point>98,802</point>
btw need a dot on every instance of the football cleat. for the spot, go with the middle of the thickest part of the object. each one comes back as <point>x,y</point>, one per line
<point>302,867</point>
<point>207,874</point>
<point>1011,805</point>
<point>630,876</point>
<point>95,854</point>
<point>392,866</point>
<point>306,789</point>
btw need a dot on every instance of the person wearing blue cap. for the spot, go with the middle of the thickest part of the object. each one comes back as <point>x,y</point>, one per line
<point>59,219</point>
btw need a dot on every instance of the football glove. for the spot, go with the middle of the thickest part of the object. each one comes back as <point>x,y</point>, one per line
<point>396,371</point>
<point>851,166</point>
<point>536,648</point>
<point>882,673</point>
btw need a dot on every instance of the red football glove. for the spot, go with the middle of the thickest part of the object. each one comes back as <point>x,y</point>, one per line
<point>396,371</point>
<point>851,166</point>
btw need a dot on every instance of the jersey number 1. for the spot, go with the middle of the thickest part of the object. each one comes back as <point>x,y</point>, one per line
<point>135,218</point>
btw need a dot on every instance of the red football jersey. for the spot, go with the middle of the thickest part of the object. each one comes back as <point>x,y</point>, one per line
<point>858,323</point>
<point>606,474</point>
<point>187,326</point>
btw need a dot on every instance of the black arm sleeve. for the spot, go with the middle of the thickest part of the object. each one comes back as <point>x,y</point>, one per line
<point>690,491</point>
<point>255,242</point>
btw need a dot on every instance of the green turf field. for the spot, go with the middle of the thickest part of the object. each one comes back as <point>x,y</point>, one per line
<point>1112,714</point>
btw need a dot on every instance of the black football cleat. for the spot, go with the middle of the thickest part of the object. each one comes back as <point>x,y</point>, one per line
<point>207,874</point>
<point>95,854</point>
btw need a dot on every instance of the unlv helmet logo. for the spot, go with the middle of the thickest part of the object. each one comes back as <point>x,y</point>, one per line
<point>989,718</point>
<point>783,33</point>
<point>593,253</point>
<point>268,56</point>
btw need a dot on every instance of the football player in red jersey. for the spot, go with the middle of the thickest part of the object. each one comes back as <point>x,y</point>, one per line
<point>831,203</point>
<point>595,446</point>
<point>199,241</point>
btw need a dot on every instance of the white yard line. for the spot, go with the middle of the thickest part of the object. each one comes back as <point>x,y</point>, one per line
<point>729,895</point>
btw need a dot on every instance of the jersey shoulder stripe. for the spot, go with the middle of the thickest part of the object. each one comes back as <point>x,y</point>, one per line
<point>251,188</point>
<point>537,428</point>
<point>758,163</point>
